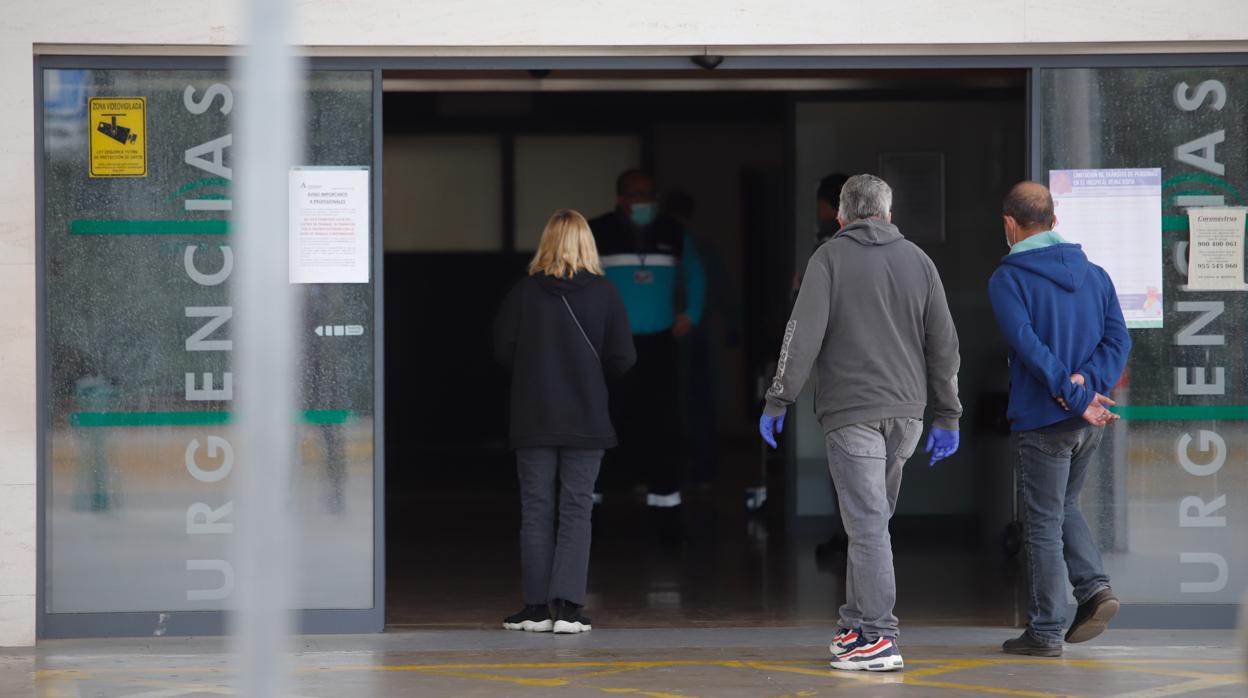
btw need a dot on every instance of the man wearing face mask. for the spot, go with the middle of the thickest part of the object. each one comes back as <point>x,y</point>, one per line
<point>648,257</point>
<point>1068,348</point>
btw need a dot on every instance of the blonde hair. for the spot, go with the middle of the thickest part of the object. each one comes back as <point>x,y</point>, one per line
<point>567,247</point>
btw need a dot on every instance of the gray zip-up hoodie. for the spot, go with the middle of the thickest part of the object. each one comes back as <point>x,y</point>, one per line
<point>872,318</point>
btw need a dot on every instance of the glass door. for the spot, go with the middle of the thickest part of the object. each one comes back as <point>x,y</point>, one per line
<point>137,387</point>
<point>1168,500</point>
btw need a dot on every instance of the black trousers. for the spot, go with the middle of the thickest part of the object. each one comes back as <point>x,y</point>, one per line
<point>646,413</point>
<point>556,484</point>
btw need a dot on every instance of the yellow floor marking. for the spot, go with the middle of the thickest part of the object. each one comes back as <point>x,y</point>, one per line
<point>1179,689</point>
<point>655,664</point>
<point>828,673</point>
<point>904,678</point>
<point>1172,661</point>
<point>523,681</point>
<point>1116,666</point>
<point>54,680</point>
<point>100,671</point>
<point>60,690</point>
<point>978,688</point>
<point>638,691</point>
<point>190,688</point>
<point>57,674</point>
<point>606,672</point>
<point>949,667</point>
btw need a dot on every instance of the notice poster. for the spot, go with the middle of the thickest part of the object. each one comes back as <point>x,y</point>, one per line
<point>1216,253</point>
<point>1116,216</point>
<point>329,231</point>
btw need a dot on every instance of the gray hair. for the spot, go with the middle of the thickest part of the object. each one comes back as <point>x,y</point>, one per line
<point>865,196</point>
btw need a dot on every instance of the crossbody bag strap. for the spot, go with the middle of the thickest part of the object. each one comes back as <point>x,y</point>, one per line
<point>568,305</point>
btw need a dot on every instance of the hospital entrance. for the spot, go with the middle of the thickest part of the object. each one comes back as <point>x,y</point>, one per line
<point>475,162</point>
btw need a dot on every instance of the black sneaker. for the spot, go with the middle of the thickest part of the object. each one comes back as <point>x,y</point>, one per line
<point>532,618</point>
<point>1030,646</point>
<point>568,618</point>
<point>1093,616</point>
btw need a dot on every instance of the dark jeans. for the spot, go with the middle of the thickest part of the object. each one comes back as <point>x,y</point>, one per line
<point>555,564</point>
<point>1052,468</point>
<point>645,409</point>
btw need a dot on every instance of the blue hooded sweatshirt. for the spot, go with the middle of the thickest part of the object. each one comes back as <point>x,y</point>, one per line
<point>1060,314</point>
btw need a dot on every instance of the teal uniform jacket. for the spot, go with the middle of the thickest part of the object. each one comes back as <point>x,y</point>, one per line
<point>655,268</point>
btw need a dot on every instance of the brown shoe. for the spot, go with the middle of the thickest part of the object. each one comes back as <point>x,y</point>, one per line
<point>1093,616</point>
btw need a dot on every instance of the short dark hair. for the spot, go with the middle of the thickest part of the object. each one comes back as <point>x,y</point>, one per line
<point>1029,203</point>
<point>621,182</point>
<point>830,188</point>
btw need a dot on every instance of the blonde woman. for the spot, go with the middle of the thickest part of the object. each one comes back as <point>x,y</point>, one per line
<point>562,331</point>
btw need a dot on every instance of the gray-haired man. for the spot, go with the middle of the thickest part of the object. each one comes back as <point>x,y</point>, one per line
<point>872,320</point>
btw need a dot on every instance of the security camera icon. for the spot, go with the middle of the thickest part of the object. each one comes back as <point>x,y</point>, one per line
<point>121,134</point>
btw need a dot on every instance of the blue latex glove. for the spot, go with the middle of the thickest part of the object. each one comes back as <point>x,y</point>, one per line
<point>941,443</point>
<point>769,426</point>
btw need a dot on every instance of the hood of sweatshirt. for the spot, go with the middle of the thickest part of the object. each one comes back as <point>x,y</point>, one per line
<point>557,286</point>
<point>871,231</point>
<point>1065,265</point>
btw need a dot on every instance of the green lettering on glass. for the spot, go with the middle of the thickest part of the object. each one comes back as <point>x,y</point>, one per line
<point>188,419</point>
<point>1178,413</point>
<point>149,227</point>
<point>200,184</point>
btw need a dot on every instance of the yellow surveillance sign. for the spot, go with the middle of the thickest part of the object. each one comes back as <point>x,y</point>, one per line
<point>118,127</point>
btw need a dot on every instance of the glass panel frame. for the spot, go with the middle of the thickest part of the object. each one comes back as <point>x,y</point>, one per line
<point>1178,449</point>
<point>363,614</point>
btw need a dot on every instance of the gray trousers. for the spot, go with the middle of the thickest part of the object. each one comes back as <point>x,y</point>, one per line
<point>865,461</point>
<point>555,564</point>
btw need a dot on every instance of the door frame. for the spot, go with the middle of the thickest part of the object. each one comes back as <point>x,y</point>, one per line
<point>373,620</point>
<point>183,623</point>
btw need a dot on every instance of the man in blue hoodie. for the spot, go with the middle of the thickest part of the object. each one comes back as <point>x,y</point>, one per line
<point>1068,348</point>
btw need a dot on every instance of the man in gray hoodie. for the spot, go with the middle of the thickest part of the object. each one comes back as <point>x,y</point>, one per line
<point>871,319</point>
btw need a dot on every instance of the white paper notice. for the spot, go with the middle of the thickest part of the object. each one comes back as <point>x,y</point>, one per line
<point>329,230</point>
<point>1216,253</point>
<point>1116,216</point>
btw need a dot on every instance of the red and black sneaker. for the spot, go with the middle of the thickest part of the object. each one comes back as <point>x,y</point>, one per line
<point>844,638</point>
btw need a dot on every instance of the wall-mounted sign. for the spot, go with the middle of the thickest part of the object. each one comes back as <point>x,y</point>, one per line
<point>118,142</point>
<point>1115,215</point>
<point>329,234</point>
<point>1216,257</point>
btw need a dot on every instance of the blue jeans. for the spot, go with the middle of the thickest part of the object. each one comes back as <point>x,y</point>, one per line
<point>1051,470</point>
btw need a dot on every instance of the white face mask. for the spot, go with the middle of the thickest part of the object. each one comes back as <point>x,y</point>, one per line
<point>1009,245</point>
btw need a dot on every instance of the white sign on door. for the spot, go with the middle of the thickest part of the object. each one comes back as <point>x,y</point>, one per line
<point>329,231</point>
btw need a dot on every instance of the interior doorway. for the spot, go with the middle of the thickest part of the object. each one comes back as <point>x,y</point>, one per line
<point>473,164</point>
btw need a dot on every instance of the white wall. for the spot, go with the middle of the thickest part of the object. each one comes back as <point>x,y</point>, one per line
<point>496,27</point>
